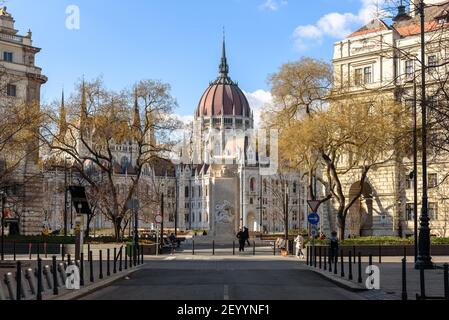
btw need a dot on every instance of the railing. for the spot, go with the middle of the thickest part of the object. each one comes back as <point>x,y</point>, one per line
<point>10,37</point>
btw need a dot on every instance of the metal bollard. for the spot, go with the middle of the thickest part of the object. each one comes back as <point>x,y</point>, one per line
<point>47,275</point>
<point>350,265</point>
<point>61,269</point>
<point>274,248</point>
<point>88,250</point>
<point>29,249</point>
<point>193,247</point>
<point>82,269</point>
<point>39,279</point>
<point>9,279</point>
<point>319,252</point>
<point>254,248</point>
<point>336,262</point>
<point>342,260</point>
<point>55,276</point>
<point>307,257</point>
<point>45,249</point>
<point>233,248</point>
<point>360,268</point>
<point>138,254</point>
<point>115,261</point>
<point>69,260</point>
<point>126,259</point>
<point>380,254</point>
<point>14,250</point>
<point>314,257</point>
<point>330,259</point>
<point>38,250</point>
<point>353,248</point>
<point>213,247</point>
<point>422,282</point>
<point>108,263</point>
<point>91,267</point>
<point>142,255</point>
<point>121,259</point>
<point>19,281</point>
<point>135,255</point>
<point>101,264</point>
<point>29,275</point>
<point>131,255</point>
<point>370,263</point>
<point>325,258</point>
<point>2,294</point>
<point>446,281</point>
<point>404,279</point>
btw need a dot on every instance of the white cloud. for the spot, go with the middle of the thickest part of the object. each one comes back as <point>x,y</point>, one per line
<point>258,100</point>
<point>336,25</point>
<point>273,5</point>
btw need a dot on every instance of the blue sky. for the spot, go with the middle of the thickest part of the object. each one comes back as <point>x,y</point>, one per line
<point>179,41</point>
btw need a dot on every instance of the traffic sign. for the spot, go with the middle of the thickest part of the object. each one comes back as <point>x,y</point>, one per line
<point>314,219</point>
<point>314,231</point>
<point>158,219</point>
<point>314,205</point>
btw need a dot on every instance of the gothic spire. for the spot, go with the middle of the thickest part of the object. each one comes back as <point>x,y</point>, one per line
<point>83,116</point>
<point>62,118</point>
<point>224,67</point>
<point>136,119</point>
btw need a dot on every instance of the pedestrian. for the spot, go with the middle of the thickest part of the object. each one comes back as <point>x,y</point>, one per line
<point>172,239</point>
<point>246,235</point>
<point>299,246</point>
<point>242,240</point>
<point>333,245</point>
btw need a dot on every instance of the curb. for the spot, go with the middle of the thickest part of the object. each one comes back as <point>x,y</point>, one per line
<point>341,282</point>
<point>96,286</point>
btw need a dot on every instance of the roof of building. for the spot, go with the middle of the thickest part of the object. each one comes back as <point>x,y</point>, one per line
<point>223,97</point>
<point>373,26</point>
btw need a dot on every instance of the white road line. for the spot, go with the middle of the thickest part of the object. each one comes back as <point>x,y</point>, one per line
<point>170,258</point>
<point>226,292</point>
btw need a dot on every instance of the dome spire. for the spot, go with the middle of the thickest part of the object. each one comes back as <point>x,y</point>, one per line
<point>224,67</point>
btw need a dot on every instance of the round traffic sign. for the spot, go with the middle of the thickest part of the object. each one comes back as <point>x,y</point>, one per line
<point>314,218</point>
<point>158,219</point>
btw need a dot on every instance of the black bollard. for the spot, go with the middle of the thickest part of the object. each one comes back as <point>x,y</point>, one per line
<point>126,258</point>
<point>55,276</point>
<point>342,259</point>
<point>213,247</point>
<point>91,266</point>
<point>115,261</point>
<point>135,255</point>
<point>404,279</point>
<point>422,282</point>
<point>38,250</point>
<point>380,254</point>
<point>14,250</point>
<point>233,248</point>
<point>142,256</point>
<point>314,257</point>
<point>121,259</point>
<point>254,248</point>
<point>69,260</point>
<point>19,281</point>
<point>336,262</point>
<point>446,281</point>
<point>350,266</point>
<point>274,248</point>
<point>82,269</point>
<point>131,255</point>
<point>88,250</point>
<point>39,279</point>
<point>138,254</point>
<point>319,250</point>
<point>193,247</point>
<point>370,263</point>
<point>101,264</point>
<point>30,246</point>
<point>307,257</point>
<point>325,258</point>
<point>108,265</point>
<point>360,268</point>
<point>45,249</point>
<point>330,259</point>
<point>353,248</point>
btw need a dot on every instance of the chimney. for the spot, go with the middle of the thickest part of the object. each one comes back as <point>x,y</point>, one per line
<point>402,13</point>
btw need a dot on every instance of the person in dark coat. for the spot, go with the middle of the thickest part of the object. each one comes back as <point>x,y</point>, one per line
<point>333,245</point>
<point>246,235</point>
<point>242,240</point>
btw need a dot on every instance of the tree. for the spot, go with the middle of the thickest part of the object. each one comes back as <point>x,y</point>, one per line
<point>102,125</point>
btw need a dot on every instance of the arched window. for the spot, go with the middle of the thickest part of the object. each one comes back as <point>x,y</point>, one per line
<point>265,185</point>
<point>124,162</point>
<point>252,184</point>
<point>186,192</point>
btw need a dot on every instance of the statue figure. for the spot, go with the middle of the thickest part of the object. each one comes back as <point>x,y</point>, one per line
<point>224,213</point>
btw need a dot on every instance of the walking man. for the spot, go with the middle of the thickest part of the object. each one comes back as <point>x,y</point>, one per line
<point>299,246</point>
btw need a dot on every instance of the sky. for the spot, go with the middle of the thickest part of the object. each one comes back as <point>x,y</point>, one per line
<point>179,41</point>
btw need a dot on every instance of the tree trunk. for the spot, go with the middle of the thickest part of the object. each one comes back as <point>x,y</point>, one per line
<point>117,228</point>
<point>341,227</point>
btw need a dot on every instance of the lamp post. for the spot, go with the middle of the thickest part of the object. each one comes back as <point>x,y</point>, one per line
<point>424,260</point>
<point>2,194</point>
<point>65,196</point>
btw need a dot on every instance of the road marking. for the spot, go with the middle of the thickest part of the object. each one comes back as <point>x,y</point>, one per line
<point>226,292</point>
<point>170,258</point>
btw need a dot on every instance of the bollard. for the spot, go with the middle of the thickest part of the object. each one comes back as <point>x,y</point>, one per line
<point>380,254</point>
<point>422,282</point>
<point>69,260</point>
<point>138,254</point>
<point>353,248</point>
<point>404,279</point>
<point>29,275</point>
<point>131,255</point>
<point>91,267</point>
<point>342,259</point>
<point>101,264</point>
<point>314,257</point>
<point>233,248</point>
<point>38,250</point>
<point>274,248</point>
<point>55,276</point>
<point>135,255</point>
<point>88,250</point>
<point>29,250</point>
<point>82,269</point>
<point>47,274</point>
<point>39,279</point>
<point>360,268</point>
<point>336,262</point>
<point>254,248</point>
<point>108,263</point>
<point>121,259</point>
<point>61,269</point>
<point>370,263</point>
<point>446,281</point>
<point>126,260</point>
<point>142,256</point>
<point>350,265</point>
<point>45,249</point>
<point>325,257</point>
<point>115,261</point>
<point>9,284</point>
<point>14,250</point>
<point>193,247</point>
<point>213,247</point>
<point>19,281</point>
<point>330,258</point>
<point>307,257</point>
<point>319,252</point>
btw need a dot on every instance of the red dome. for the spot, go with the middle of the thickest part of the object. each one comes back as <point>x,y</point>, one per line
<point>223,97</point>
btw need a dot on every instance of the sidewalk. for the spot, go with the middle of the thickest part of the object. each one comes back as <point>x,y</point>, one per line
<point>390,278</point>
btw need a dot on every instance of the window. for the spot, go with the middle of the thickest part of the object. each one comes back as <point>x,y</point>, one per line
<point>186,192</point>
<point>410,211</point>
<point>367,75</point>
<point>228,121</point>
<point>11,90</point>
<point>186,218</point>
<point>251,200</point>
<point>409,182</point>
<point>295,187</point>
<point>358,77</point>
<point>432,63</point>
<point>409,68</point>
<point>252,184</point>
<point>433,211</point>
<point>433,180</point>
<point>7,56</point>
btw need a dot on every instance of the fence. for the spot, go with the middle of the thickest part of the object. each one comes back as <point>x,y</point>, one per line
<point>52,277</point>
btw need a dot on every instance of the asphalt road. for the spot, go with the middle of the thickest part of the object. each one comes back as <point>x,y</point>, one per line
<point>223,278</point>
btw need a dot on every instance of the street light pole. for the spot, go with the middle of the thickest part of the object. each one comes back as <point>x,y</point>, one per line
<point>424,260</point>
<point>2,193</point>
<point>65,197</point>
<point>415,169</point>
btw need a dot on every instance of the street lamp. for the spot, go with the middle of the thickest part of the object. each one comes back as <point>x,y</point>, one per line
<point>2,194</point>
<point>65,196</point>
<point>424,260</point>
